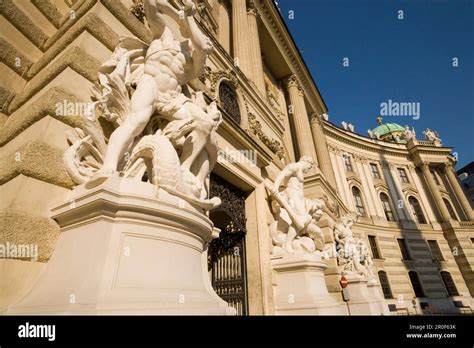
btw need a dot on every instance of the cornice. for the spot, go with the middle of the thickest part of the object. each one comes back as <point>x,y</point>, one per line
<point>279,32</point>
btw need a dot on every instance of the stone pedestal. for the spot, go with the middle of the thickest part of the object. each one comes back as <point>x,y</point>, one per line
<point>301,288</point>
<point>126,248</point>
<point>361,300</point>
<point>378,301</point>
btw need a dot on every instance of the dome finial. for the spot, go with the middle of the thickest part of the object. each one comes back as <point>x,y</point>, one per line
<point>379,120</point>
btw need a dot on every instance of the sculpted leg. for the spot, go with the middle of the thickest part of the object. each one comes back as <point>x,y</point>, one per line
<point>141,110</point>
<point>289,239</point>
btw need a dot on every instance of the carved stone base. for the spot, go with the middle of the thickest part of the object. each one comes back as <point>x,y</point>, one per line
<point>301,288</point>
<point>362,301</point>
<point>377,297</point>
<point>122,250</point>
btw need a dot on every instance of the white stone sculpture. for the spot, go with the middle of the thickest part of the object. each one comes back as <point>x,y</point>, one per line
<point>432,136</point>
<point>325,116</point>
<point>159,126</point>
<point>351,127</point>
<point>352,253</point>
<point>344,125</point>
<point>371,134</point>
<point>295,229</point>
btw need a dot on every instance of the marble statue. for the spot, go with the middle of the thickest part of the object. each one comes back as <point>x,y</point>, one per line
<point>432,136</point>
<point>351,127</point>
<point>353,255</point>
<point>295,227</point>
<point>344,125</point>
<point>371,134</point>
<point>159,127</point>
<point>325,116</point>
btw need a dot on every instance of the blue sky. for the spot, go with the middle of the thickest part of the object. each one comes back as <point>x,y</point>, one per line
<point>405,60</point>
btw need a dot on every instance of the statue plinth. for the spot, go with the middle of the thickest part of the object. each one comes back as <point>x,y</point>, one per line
<point>123,250</point>
<point>362,296</point>
<point>301,287</point>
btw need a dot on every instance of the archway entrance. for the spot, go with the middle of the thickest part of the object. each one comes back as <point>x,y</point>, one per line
<point>226,254</point>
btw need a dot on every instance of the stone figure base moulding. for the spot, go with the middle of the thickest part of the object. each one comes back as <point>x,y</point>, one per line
<point>365,298</point>
<point>301,287</point>
<point>126,248</point>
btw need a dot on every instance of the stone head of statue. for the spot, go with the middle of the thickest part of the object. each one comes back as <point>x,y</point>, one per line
<point>307,162</point>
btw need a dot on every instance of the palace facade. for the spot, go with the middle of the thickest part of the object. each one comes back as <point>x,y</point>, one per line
<point>402,191</point>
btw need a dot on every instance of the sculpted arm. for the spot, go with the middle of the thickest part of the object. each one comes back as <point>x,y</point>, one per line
<point>287,172</point>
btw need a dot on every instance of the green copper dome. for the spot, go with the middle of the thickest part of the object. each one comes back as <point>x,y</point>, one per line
<point>387,128</point>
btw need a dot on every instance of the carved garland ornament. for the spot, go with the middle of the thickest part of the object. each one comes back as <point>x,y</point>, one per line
<point>255,128</point>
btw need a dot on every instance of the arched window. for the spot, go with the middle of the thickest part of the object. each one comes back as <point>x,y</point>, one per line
<point>450,209</point>
<point>416,284</point>
<point>449,283</point>
<point>358,201</point>
<point>386,207</point>
<point>387,291</point>
<point>416,209</point>
<point>228,101</point>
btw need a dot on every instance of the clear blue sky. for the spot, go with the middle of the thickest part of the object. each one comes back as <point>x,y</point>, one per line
<point>409,60</point>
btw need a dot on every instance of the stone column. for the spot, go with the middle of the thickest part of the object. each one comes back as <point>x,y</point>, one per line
<point>288,138</point>
<point>224,24</point>
<point>241,36</point>
<point>319,139</point>
<point>425,169</point>
<point>255,50</point>
<point>297,110</point>
<point>453,181</point>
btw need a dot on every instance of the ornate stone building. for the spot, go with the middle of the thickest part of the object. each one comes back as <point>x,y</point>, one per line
<point>401,193</point>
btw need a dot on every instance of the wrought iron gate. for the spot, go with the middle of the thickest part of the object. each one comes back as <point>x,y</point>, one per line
<point>226,254</point>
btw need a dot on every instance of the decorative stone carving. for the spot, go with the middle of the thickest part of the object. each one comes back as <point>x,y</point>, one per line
<point>344,125</point>
<point>432,136</point>
<point>215,77</point>
<point>295,229</point>
<point>386,164</point>
<point>292,81</point>
<point>351,127</point>
<point>352,253</point>
<point>410,133</point>
<point>160,127</point>
<point>255,128</point>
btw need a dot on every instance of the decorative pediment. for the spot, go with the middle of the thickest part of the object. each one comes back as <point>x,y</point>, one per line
<point>215,78</point>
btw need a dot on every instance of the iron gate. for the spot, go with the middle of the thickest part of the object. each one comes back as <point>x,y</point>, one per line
<point>226,254</point>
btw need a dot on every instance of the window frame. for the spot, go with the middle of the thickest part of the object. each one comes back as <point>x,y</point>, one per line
<point>448,291</point>
<point>360,207</point>
<point>417,214</point>
<point>378,254</point>
<point>405,248</point>
<point>403,178</point>
<point>418,279</point>
<point>376,172</point>
<point>390,210</point>
<point>437,250</point>
<point>389,294</point>
<point>348,163</point>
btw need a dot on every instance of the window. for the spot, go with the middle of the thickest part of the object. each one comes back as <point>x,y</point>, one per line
<point>347,163</point>
<point>450,209</point>
<point>386,207</point>
<point>358,201</point>
<point>435,177</point>
<point>228,101</point>
<point>416,209</point>
<point>387,292</point>
<point>416,284</point>
<point>375,171</point>
<point>449,284</point>
<point>403,175</point>
<point>374,248</point>
<point>435,250</point>
<point>403,249</point>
